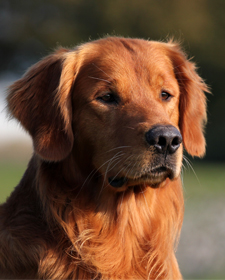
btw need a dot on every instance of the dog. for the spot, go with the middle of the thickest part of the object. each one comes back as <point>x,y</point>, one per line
<point>102,195</point>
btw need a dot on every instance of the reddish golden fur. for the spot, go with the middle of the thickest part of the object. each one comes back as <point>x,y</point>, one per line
<point>64,220</point>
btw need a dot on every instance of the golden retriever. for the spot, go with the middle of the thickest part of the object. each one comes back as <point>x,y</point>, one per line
<point>102,196</point>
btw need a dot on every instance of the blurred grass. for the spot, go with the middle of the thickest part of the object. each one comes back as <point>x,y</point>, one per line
<point>204,179</point>
<point>10,175</point>
<point>14,157</point>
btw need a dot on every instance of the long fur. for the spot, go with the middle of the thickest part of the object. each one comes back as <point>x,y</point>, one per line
<point>64,220</point>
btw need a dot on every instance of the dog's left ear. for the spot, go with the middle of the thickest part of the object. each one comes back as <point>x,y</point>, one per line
<point>41,101</point>
<point>192,106</point>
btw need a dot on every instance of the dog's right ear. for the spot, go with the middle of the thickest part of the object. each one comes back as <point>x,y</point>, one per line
<point>41,101</point>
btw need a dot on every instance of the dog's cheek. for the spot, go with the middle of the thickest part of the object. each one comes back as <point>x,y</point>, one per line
<point>92,133</point>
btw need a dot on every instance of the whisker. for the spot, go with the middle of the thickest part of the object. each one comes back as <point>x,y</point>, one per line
<point>182,173</point>
<point>118,161</point>
<point>191,167</point>
<point>127,167</point>
<point>101,70</point>
<point>122,169</point>
<point>106,172</point>
<point>93,172</point>
<point>120,147</point>
<point>115,176</point>
<point>99,79</point>
<point>135,165</point>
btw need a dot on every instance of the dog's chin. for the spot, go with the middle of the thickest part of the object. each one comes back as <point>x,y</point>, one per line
<point>155,178</point>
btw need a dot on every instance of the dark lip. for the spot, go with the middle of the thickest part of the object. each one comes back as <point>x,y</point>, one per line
<point>117,182</point>
<point>158,170</point>
<point>153,177</point>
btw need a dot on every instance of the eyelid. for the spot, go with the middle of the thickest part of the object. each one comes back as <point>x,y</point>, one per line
<point>114,97</point>
<point>168,98</point>
<point>167,91</point>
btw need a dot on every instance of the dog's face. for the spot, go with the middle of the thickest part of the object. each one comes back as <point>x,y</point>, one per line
<point>123,108</point>
<point>129,96</point>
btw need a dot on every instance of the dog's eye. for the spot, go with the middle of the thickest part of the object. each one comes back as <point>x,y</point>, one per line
<point>165,96</point>
<point>109,98</point>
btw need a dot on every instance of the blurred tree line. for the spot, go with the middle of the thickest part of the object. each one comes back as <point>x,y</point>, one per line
<point>30,29</point>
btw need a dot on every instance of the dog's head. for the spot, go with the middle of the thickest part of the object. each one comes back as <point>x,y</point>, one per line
<point>121,107</point>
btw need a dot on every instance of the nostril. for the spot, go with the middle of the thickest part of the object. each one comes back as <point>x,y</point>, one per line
<point>162,141</point>
<point>176,141</point>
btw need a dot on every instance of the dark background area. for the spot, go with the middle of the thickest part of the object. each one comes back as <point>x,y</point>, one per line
<point>30,30</point>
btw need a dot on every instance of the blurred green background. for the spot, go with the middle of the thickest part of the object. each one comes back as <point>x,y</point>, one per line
<point>30,30</point>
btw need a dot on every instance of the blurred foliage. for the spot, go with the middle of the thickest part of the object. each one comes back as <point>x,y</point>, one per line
<point>31,29</point>
<point>10,175</point>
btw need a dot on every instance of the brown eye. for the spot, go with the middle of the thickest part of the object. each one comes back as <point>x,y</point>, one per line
<point>109,98</point>
<point>165,96</point>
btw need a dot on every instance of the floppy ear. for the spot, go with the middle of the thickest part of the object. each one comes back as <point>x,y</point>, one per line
<point>41,101</point>
<point>192,104</point>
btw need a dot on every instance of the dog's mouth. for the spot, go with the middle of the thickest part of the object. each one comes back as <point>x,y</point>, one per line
<point>153,178</point>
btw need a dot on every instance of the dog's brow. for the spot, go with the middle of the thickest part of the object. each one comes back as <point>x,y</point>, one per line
<point>101,70</point>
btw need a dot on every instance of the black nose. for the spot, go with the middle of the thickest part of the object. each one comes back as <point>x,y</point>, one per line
<point>165,138</point>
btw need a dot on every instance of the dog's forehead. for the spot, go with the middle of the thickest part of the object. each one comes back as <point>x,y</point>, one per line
<point>131,58</point>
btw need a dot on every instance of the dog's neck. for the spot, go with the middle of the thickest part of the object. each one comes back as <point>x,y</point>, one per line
<point>115,231</point>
